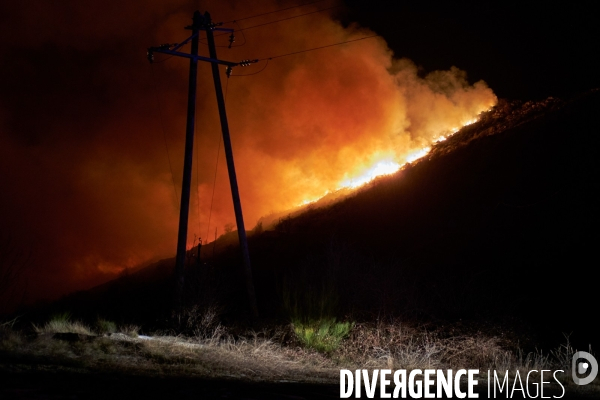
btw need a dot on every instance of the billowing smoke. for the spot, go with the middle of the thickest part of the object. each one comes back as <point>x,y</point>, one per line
<point>86,122</point>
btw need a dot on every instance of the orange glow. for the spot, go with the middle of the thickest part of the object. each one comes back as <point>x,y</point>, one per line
<point>305,126</point>
<point>386,166</point>
<point>417,154</point>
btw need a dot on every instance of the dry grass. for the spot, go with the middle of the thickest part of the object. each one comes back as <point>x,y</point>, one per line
<point>275,355</point>
<point>130,330</point>
<point>388,346</point>
<point>64,327</point>
<point>398,346</point>
<point>61,323</point>
<point>252,357</point>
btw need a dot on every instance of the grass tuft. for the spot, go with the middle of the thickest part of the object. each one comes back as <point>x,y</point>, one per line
<point>104,326</point>
<point>61,323</point>
<point>323,335</point>
<point>130,330</point>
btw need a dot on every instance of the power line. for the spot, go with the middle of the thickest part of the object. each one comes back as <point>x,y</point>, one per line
<point>275,11</point>
<point>317,48</point>
<point>162,125</point>
<point>243,35</point>
<point>163,60</point>
<point>197,176</point>
<point>230,45</point>
<point>216,169</point>
<point>282,19</point>
<point>303,51</point>
<point>288,18</point>
<point>264,24</point>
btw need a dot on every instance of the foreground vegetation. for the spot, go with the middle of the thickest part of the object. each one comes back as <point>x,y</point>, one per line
<point>277,353</point>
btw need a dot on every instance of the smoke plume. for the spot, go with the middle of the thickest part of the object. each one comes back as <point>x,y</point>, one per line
<point>86,122</point>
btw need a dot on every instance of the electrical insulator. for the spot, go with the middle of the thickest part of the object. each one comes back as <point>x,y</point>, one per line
<point>150,56</point>
<point>245,63</point>
<point>231,39</point>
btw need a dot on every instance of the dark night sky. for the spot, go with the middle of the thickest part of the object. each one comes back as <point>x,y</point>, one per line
<point>86,186</point>
<point>523,50</point>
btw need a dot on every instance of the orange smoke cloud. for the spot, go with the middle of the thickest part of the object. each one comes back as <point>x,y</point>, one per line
<point>88,183</point>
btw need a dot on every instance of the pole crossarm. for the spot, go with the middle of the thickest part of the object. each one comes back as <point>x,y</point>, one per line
<point>178,46</point>
<point>160,49</point>
<point>202,23</point>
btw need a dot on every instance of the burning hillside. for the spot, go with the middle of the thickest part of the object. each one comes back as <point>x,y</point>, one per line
<point>475,230</point>
<point>503,116</point>
<point>107,159</point>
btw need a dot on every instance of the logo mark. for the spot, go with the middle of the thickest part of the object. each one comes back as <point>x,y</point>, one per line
<point>581,368</point>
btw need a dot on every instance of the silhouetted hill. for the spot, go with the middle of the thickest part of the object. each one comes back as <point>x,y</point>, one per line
<point>497,224</point>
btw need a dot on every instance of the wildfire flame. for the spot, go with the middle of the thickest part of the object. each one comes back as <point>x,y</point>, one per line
<point>417,154</point>
<point>385,167</point>
<point>388,166</point>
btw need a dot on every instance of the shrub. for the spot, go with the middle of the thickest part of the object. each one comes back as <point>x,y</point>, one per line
<point>323,335</point>
<point>203,322</point>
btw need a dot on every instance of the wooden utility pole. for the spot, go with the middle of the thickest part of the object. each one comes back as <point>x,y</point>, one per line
<point>204,23</point>
<point>235,194</point>
<point>187,163</point>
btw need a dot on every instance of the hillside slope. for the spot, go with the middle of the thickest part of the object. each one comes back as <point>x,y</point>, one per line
<point>498,223</point>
